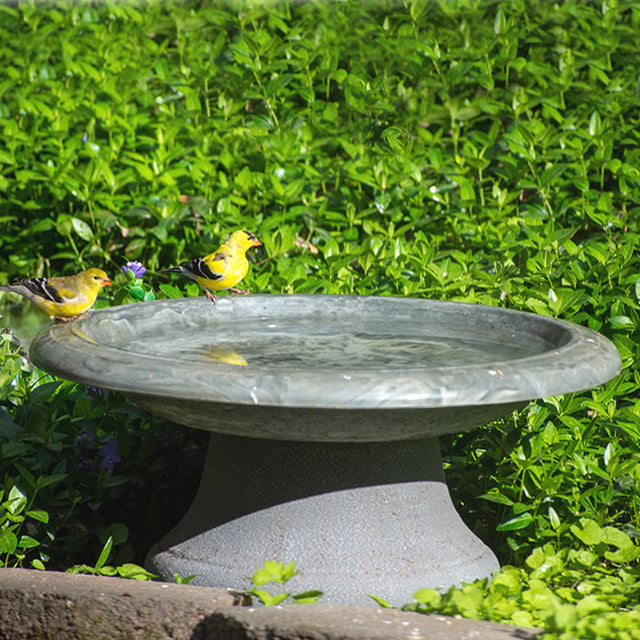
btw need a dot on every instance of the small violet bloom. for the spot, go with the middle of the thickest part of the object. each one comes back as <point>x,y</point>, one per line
<point>85,137</point>
<point>136,268</point>
<point>109,455</point>
<point>80,440</point>
<point>193,456</point>
<point>84,465</point>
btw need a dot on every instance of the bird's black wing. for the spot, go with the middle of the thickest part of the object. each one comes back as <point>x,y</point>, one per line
<point>41,287</point>
<point>198,267</point>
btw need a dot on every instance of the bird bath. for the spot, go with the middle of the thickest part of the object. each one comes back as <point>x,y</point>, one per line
<point>325,413</point>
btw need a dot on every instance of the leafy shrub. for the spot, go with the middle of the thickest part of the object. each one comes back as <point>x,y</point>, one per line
<point>484,152</point>
<point>77,462</point>
<point>581,592</point>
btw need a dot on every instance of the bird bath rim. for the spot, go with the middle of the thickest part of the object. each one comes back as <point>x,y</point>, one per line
<point>557,356</point>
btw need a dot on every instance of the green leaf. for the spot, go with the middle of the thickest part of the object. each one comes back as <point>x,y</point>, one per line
<point>495,496</point>
<point>82,229</point>
<point>417,9</point>
<point>305,597</point>
<point>117,532</point>
<point>191,98</point>
<point>267,599</point>
<point>16,501</point>
<point>588,532</point>
<point>81,568</point>
<point>8,541</point>
<point>27,542</point>
<point>271,571</point>
<point>592,605</point>
<point>135,572</point>
<point>508,581</point>
<point>514,524</point>
<point>26,475</point>
<point>171,291</point>
<point>428,597</point>
<point>380,601</point>
<point>104,554</point>
<point>46,481</point>
<point>554,518</point>
<point>45,391</point>
<point>617,538</point>
<point>38,514</point>
<point>622,322</point>
<point>184,580</point>
<point>624,555</point>
<point>595,124</point>
<point>500,23</point>
<point>467,192</point>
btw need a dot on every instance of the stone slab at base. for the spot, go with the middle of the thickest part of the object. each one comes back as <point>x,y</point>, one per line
<point>48,604</point>
<point>51,604</point>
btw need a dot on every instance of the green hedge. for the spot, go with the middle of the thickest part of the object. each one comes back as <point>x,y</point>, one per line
<point>482,151</point>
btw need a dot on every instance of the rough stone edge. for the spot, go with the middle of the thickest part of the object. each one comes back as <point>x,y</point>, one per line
<point>48,604</point>
<point>350,622</point>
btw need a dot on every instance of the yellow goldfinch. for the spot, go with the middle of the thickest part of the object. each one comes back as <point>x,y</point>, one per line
<point>222,269</point>
<point>62,298</point>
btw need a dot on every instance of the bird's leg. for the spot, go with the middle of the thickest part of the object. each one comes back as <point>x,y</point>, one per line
<point>239,291</point>
<point>65,319</point>
<point>211,296</point>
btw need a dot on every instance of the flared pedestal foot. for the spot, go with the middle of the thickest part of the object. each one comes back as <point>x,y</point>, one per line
<point>357,519</point>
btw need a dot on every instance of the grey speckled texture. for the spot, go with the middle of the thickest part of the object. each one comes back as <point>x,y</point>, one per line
<point>325,353</point>
<point>357,518</point>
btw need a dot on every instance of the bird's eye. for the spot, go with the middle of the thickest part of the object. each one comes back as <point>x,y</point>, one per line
<point>97,278</point>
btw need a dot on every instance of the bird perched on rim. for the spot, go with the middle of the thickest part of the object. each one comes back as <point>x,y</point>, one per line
<point>222,269</point>
<point>62,298</point>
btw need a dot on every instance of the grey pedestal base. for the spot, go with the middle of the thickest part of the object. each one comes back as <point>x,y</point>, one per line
<point>357,519</point>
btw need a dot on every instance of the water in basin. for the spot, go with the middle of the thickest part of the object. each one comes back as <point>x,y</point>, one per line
<point>298,345</point>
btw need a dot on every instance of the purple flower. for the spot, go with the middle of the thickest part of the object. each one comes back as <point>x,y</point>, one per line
<point>85,137</point>
<point>193,455</point>
<point>84,465</point>
<point>136,269</point>
<point>84,435</point>
<point>109,455</point>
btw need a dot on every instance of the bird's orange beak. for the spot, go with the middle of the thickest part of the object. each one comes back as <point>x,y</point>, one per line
<point>106,282</point>
<point>256,243</point>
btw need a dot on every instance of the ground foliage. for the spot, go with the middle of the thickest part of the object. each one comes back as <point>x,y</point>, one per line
<point>478,151</point>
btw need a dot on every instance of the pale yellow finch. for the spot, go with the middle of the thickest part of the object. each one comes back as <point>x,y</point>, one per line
<point>62,298</point>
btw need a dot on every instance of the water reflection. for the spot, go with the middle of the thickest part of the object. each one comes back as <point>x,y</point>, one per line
<point>224,355</point>
<point>302,348</point>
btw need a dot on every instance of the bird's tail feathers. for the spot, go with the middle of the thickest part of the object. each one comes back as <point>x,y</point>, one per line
<point>172,270</point>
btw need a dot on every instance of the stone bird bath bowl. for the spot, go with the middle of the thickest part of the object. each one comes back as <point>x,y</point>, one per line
<point>324,414</point>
